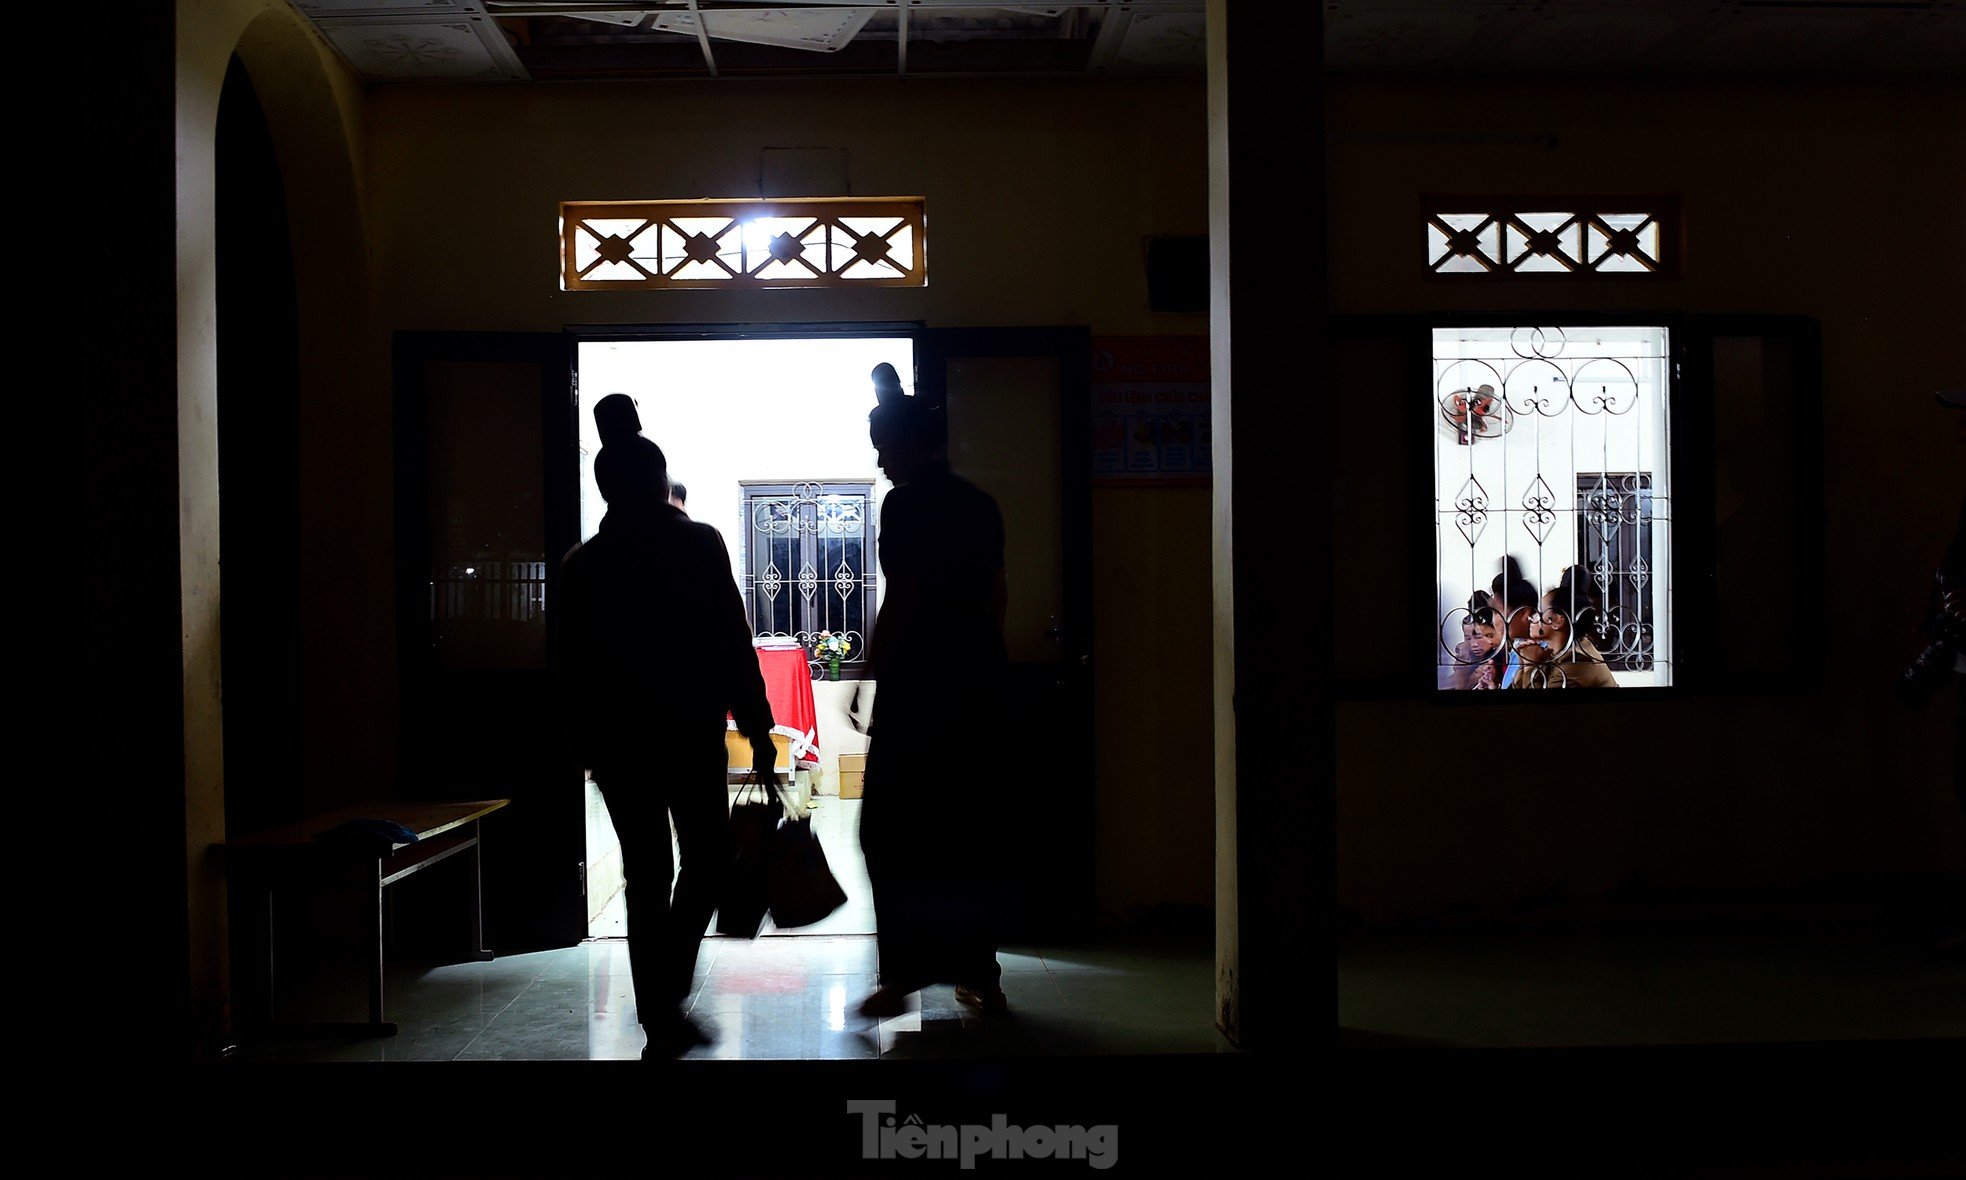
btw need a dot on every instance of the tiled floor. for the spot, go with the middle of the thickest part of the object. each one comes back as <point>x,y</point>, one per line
<point>789,995</point>
<point>836,822</point>
<point>785,998</point>
<point>1672,985</point>
<point>1712,1044</point>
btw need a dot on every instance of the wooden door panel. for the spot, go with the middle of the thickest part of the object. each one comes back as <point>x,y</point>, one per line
<point>485,486</point>
<point>1016,401</point>
<point>1004,437</point>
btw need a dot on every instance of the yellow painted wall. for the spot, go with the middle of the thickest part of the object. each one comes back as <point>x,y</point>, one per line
<point>1039,193</point>
<point>1846,203</point>
<point>1151,642</point>
<point>314,108</point>
<point>1040,197</point>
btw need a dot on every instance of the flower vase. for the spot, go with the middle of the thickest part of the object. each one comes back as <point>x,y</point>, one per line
<point>832,669</point>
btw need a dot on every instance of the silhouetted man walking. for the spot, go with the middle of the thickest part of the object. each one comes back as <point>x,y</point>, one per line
<point>654,650</point>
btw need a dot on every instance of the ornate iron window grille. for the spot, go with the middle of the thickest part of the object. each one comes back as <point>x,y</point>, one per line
<point>1522,413</point>
<point>810,564</point>
<point>1614,542</point>
<point>656,245</point>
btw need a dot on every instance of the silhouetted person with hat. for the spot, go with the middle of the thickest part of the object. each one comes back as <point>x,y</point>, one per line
<point>934,846</point>
<point>653,650</point>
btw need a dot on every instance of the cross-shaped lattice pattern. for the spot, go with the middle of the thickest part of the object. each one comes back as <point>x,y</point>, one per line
<point>839,242</point>
<point>1629,239</point>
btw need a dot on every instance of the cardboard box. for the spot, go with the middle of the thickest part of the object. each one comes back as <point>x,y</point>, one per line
<point>853,774</point>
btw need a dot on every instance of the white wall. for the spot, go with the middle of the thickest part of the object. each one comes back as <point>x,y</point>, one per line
<point>831,703</point>
<point>725,411</point>
<point>605,876</point>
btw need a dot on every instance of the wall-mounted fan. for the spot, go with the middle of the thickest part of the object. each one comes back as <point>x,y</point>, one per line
<point>1474,412</point>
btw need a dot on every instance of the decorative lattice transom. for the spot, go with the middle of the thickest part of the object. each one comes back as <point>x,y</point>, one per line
<point>836,242</point>
<point>1555,236</point>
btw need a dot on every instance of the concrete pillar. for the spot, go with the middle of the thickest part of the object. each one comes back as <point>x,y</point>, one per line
<point>1272,526</point>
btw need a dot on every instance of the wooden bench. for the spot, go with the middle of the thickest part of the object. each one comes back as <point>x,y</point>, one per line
<point>263,864</point>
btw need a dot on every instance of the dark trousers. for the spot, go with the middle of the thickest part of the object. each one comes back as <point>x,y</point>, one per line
<point>665,926</point>
<point>933,842</point>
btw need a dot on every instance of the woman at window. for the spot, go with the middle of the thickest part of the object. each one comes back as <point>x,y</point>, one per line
<point>1558,654</point>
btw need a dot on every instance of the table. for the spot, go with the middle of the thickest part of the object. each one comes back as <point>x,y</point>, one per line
<point>788,688</point>
<point>289,856</point>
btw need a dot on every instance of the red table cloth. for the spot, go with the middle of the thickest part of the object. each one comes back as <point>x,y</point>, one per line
<point>788,687</point>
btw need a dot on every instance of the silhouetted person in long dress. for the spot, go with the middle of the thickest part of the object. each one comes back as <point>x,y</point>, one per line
<point>653,649</point>
<point>934,849</point>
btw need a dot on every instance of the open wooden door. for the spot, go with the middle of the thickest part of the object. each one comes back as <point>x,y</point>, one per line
<point>1016,402</point>
<point>486,492</point>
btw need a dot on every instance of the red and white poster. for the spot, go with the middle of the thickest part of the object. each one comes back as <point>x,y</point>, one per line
<point>1150,414</point>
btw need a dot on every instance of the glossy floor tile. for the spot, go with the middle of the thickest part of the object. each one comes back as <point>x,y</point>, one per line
<point>787,997</point>
<point>836,823</point>
<point>1745,985</point>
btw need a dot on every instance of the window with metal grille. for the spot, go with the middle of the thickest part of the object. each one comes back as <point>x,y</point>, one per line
<point>810,564</point>
<point>1616,519</point>
<point>1551,236</point>
<point>831,242</point>
<point>1551,449</point>
<point>488,599</point>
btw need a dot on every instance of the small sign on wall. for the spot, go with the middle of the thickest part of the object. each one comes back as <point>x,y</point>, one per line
<point>1150,412</point>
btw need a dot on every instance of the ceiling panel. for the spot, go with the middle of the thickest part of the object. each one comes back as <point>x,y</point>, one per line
<point>548,40</point>
<point>424,8</point>
<point>1165,41</point>
<point>397,47</point>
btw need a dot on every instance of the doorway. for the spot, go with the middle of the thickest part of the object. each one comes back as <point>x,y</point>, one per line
<point>490,480</point>
<point>767,436</point>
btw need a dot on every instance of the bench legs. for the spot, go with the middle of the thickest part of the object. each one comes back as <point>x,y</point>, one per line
<point>477,943</point>
<point>266,1019</point>
<point>375,961</point>
<point>371,885</point>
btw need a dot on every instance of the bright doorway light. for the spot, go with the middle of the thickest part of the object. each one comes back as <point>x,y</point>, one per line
<point>730,411</point>
<point>730,415</point>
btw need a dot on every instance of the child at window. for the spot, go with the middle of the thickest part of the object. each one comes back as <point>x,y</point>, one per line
<point>1475,655</point>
